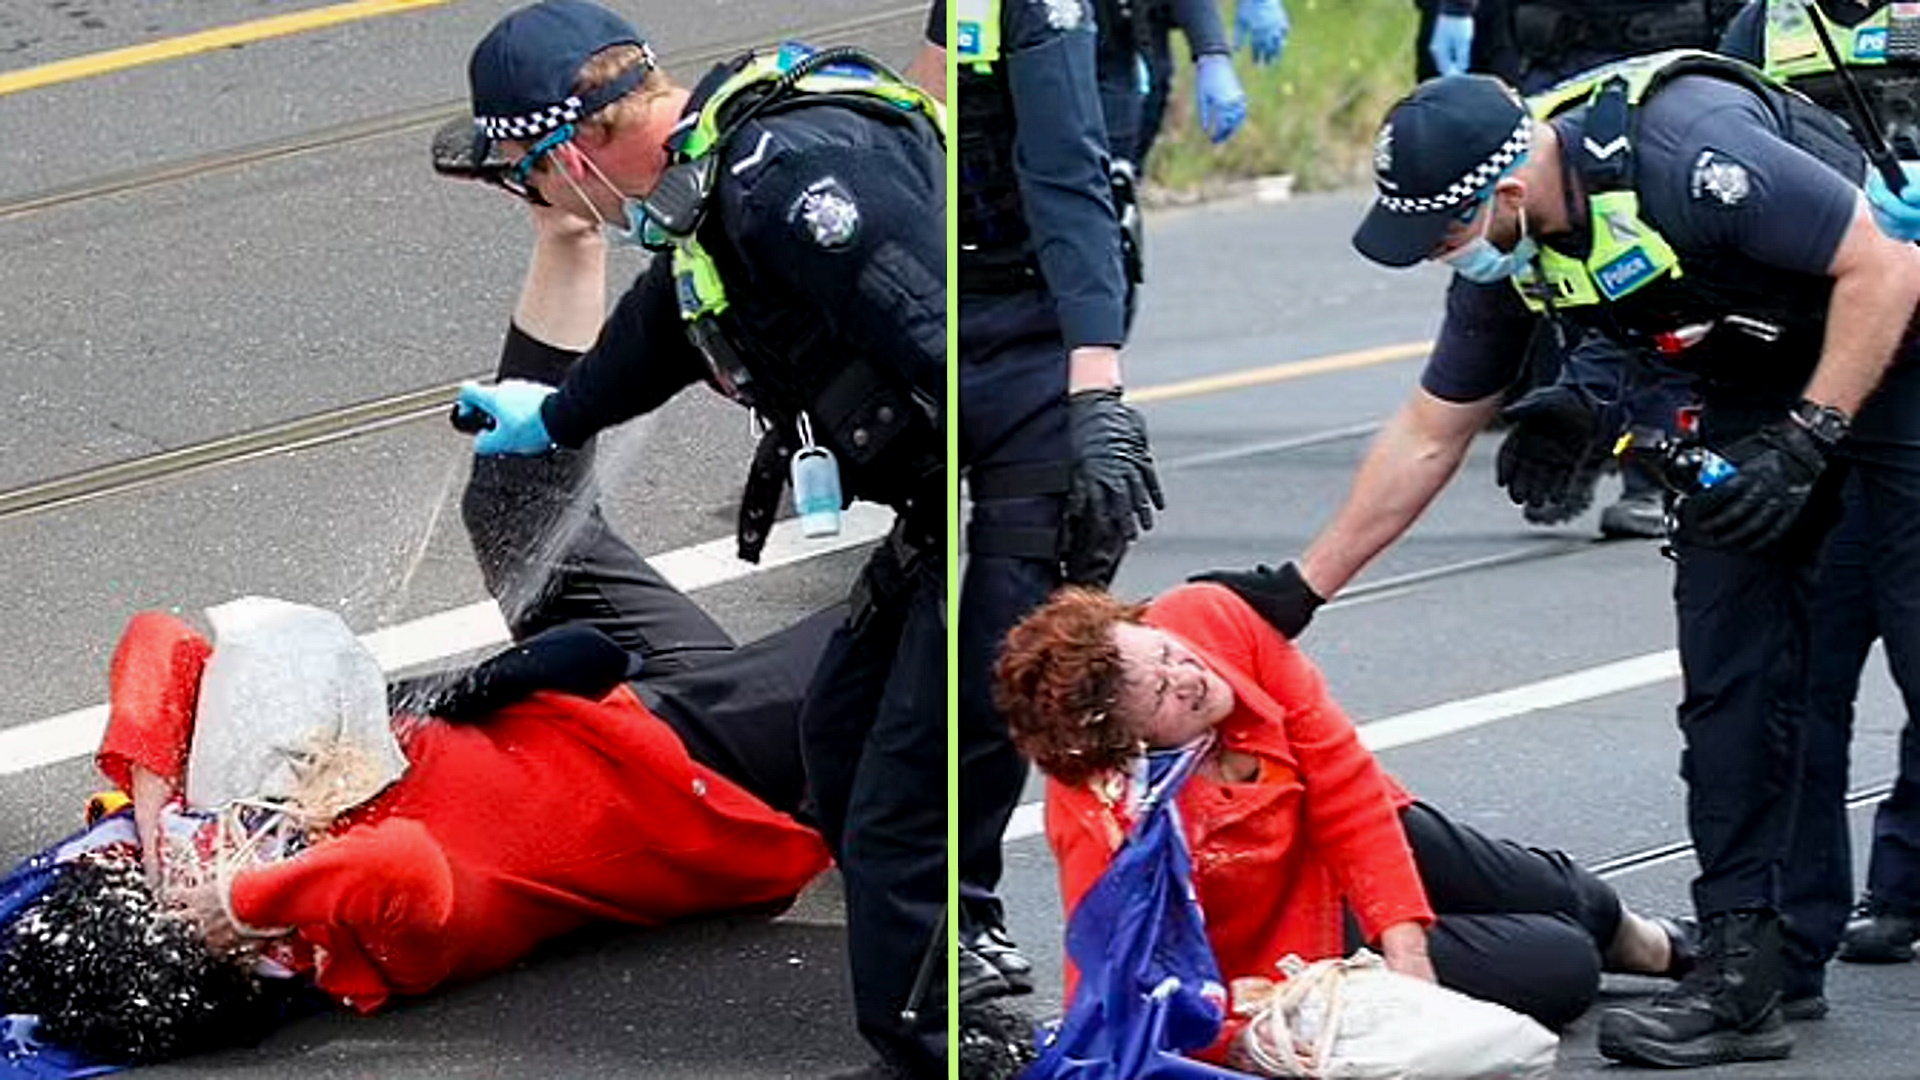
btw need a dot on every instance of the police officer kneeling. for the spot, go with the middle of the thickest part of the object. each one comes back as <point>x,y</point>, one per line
<point>797,201</point>
<point>1678,200</point>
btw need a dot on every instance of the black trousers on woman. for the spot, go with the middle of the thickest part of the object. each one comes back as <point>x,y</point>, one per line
<point>1523,927</point>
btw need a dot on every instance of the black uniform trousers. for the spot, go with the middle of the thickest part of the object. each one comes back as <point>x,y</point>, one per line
<point>1744,641</point>
<point>874,739</point>
<point>1524,927</point>
<point>1867,587</point>
<point>552,559</point>
<point>1013,411</point>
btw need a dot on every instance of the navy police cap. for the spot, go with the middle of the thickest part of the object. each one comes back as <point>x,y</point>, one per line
<point>522,73</point>
<point>1440,149</point>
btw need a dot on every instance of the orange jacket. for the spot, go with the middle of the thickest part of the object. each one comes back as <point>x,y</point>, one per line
<point>1272,858</point>
<point>553,813</point>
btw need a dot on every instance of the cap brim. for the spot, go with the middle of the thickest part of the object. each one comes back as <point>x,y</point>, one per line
<point>1400,240</point>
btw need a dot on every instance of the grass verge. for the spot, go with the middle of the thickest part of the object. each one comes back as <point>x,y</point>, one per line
<point>1312,115</point>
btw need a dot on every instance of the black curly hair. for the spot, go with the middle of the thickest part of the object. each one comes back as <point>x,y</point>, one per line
<point>111,973</point>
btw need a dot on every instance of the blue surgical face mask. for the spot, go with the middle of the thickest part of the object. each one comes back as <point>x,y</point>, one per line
<point>1480,262</point>
<point>639,230</point>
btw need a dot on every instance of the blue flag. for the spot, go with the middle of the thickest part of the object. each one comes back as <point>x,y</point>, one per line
<point>1149,988</point>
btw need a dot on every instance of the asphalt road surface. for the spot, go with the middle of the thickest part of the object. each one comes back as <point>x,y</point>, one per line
<point>234,298</point>
<point>1517,677</point>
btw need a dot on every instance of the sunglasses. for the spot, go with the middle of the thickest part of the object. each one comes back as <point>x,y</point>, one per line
<point>459,152</point>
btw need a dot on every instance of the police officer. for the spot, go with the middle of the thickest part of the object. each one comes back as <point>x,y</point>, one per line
<point>1058,467</point>
<point>1867,587</point>
<point>1676,200</point>
<point>796,200</point>
<point>1533,44</point>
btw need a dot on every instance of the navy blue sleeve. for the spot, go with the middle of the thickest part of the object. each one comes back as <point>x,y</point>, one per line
<point>1200,21</point>
<point>1482,344</point>
<point>857,233</point>
<point>643,358</point>
<point>1716,176</point>
<point>1745,37</point>
<point>1060,154</point>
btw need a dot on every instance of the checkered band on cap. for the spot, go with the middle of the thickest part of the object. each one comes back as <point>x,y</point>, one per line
<point>532,126</point>
<point>1469,185</point>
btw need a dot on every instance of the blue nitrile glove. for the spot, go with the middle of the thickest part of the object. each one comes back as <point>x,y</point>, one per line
<point>1451,45</point>
<point>1897,215</point>
<point>1261,24</point>
<point>1223,104</point>
<point>514,406</point>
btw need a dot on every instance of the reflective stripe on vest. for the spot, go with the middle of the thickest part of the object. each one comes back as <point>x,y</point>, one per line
<point>1793,47</point>
<point>696,277</point>
<point>977,32</point>
<point>1628,254</point>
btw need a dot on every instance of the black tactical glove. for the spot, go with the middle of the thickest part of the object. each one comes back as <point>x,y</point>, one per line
<point>1552,455</point>
<point>1282,597</point>
<point>577,660</point>
<point>1756,506</point>
<point>1113,491</point>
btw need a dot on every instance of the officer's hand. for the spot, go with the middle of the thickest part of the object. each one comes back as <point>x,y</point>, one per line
<point>1552,454</point>
<point>1261,24</point>
<point>1222,103</point>
<point>1898,215</point>
<point>1113,491</point>
<point>513,406</point>
<point>1756,506</point>
<point>1282,597</point>
<point>1451,45</point>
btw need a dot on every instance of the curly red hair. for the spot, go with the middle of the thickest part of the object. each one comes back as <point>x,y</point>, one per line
<point>1056,681</point>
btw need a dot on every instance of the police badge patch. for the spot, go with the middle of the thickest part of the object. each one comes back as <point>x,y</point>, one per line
<point>829,213</point>
<point>1720,177</point>
<point>1064,14</point>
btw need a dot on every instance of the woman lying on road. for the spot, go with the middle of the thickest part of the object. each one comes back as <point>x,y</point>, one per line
<point>1301,843</point>
<point>521,812</point>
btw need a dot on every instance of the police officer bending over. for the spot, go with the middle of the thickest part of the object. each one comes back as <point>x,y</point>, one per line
<point>796,200</point>
<point>1057,464</point>
<point>1677,199</point>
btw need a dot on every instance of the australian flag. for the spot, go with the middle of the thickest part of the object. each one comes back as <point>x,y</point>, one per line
<point>1150,988</point>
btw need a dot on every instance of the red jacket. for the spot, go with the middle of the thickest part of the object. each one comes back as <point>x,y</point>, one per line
<point>553,813</point>
<point>1272,858</point>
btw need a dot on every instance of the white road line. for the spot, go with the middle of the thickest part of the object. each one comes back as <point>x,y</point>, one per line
<point>1452,717</point>
<point>476,626</point>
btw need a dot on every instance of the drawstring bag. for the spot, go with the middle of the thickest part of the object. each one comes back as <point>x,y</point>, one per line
<point>1354,1019</point>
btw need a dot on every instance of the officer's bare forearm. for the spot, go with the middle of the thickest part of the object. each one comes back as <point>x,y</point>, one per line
<point>1093,367</point>
<point>563,297</point>
<point>1876,285</point>
<point>1409,463</point>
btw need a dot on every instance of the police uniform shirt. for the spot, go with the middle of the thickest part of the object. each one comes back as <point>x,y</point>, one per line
<point>831,241</point>
<point>1060,152</point>
<point>1714,178</point>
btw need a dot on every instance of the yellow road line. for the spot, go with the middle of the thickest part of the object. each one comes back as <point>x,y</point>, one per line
<point>220,37</point>
<point>1297,369</point>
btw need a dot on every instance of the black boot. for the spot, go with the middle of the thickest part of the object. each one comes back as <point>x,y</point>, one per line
<point>1726,1009</point>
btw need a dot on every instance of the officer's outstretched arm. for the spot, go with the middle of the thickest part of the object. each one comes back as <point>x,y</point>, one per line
<point>1876,284</point>
<point>641,359</point>
<point>1409,463</point>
